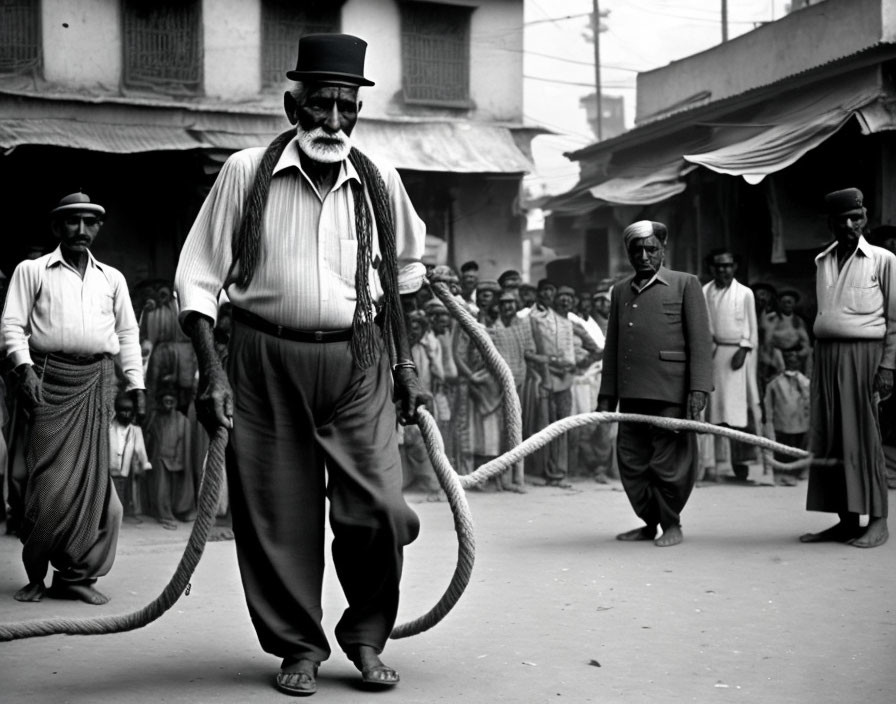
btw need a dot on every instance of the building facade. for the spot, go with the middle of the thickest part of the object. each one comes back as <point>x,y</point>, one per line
<point>737,145</point>
<point>139,102</point>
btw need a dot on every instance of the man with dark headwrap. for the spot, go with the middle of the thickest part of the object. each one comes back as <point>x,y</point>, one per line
<point>855,331</point>
<point>67,315</point>
<point>658,362</point>
<point>313,243</point>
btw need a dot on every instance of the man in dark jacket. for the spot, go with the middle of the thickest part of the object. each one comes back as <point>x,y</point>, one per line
<point>658,362</point>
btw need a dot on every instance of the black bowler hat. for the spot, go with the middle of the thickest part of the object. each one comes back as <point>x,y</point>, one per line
<point>331,58</point>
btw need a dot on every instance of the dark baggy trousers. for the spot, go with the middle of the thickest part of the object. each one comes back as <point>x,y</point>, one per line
<point>72,513</point>
<point>309,425</point>
<point>656,466</point>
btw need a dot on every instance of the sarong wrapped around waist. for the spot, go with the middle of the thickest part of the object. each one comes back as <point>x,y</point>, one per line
<point>67,456</point>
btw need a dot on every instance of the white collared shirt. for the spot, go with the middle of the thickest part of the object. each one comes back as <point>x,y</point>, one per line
<point>305,276</point>
<point>858,301</point>
<point>50,308</point>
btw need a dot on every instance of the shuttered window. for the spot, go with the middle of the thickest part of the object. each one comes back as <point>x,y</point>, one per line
<point>162,42</point>
<point>435,52</point>
<point>282,23</point>
<point>20,50</point>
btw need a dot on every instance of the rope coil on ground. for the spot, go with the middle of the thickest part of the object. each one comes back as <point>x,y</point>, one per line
<point>208,501</point>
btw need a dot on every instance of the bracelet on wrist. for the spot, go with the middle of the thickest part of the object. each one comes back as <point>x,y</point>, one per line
<point>404,364</point>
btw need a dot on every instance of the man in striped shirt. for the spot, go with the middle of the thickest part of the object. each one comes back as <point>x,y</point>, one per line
<point>311,240</point>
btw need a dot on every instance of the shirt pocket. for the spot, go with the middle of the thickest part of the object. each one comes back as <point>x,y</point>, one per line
<point>102,303</point>
<point>864,300</point>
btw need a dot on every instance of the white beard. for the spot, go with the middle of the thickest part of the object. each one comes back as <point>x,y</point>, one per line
<point>322,146</point>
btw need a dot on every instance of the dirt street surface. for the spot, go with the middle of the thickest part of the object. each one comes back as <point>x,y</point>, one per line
<point>557,610</point>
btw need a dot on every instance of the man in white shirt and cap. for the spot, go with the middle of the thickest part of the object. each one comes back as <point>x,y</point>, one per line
<point>66,316</point>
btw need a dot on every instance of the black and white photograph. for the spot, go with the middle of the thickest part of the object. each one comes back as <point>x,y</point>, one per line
<point>468,351</point>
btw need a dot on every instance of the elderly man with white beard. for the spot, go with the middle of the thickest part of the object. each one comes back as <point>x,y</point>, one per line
<point>313,244</point>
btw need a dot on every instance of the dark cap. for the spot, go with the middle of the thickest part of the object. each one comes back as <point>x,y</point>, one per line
<point>566,291</point>
<point>488,285</point>
<point>509,274</point>
<point>846,201</point>
<point>331,58</point>
<point>545,283</point>
<point>469,266</point>
<point>508,295</point>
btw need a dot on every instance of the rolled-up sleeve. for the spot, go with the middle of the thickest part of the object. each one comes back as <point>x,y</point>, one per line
<point>206,255</point>
<point>410,233</point>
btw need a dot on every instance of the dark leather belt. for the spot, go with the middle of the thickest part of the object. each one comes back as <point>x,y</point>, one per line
<point>71,358</point>
<point>241,315</point>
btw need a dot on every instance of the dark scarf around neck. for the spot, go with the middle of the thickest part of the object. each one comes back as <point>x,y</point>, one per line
<point>246,246</point>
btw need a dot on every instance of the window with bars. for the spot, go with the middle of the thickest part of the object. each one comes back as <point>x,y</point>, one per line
<point>282,23</point>
<point>435,53</point>
<point>20,50</point>
<point>162,42</point>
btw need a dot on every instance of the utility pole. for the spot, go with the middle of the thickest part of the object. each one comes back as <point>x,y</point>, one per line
<point>596,22</point>
<point>725,19</point>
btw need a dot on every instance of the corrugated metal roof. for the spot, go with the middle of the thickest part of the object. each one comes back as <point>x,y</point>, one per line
<point>99,137</point>
<point>456,147</point>
<point>708,109</point>
<point>453,147</point>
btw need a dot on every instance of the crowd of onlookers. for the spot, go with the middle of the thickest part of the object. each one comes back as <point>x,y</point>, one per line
<point>551,336</point>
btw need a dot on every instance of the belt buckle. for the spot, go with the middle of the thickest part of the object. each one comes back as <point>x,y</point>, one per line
<point>318,335</point>
<point>279,331</point>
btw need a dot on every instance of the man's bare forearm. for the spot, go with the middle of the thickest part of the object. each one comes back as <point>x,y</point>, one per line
<point>200,330</point>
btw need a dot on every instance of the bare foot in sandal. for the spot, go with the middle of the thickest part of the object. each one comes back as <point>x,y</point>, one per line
<point>372,669</point>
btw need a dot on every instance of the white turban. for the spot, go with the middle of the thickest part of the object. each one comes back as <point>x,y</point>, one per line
<point>644,228</point>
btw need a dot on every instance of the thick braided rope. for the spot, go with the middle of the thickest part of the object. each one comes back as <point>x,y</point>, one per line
<point>564,425</point>
<point>510,401</point>
<point>463,526</point>
<point>208,503</point>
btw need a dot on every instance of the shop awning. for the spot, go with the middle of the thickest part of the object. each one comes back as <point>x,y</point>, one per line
<point>95,136</point>
<point>443,146</point>
<point>455,147</point>
<point>640,177</point>
<point>788,127</point>
<point>643,184</point>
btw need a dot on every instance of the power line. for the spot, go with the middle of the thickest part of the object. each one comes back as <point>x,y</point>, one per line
<point>565,132</point>
<point>556,19</point>
<point>576,83</point>
<point>557,58</point>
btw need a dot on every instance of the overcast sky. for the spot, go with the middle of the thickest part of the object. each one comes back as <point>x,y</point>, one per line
<point>641,35</point>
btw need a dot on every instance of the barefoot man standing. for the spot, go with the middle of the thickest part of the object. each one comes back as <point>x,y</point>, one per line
<point>65,318</point>
<point>657,361</point>
<point>855,332</point>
